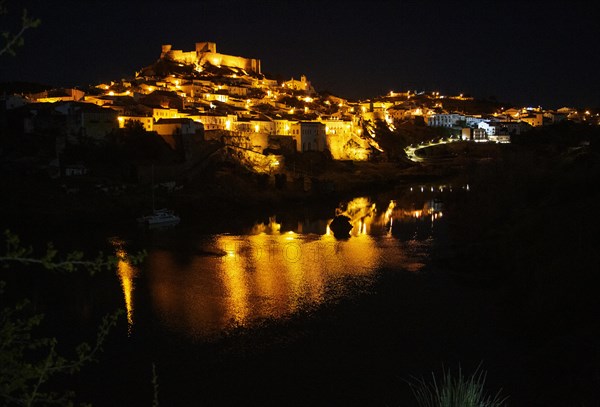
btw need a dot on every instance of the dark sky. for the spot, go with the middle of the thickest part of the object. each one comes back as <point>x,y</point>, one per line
<point>528,53</point>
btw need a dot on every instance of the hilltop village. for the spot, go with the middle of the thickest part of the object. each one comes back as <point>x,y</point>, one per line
<point>189,108</point>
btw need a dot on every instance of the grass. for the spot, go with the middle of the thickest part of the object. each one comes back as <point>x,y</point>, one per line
<point>455,390</point>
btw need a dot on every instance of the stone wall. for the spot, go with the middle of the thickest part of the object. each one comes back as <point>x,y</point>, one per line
<point>206,52</point>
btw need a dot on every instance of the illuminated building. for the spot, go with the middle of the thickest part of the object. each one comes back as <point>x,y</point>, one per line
<point>444,119</point>
<point>146,121</point>
<point>58,95</point>
<point>177,126</point>
<point>310,136</point>
<point>534,119</point>
<point>160,113</point>
<point>303,84</point>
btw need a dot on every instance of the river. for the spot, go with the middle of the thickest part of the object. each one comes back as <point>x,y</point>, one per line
<point>201,285</point>
<point>279,300</point>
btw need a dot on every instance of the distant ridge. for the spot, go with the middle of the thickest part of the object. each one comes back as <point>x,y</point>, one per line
<point>23,87</point>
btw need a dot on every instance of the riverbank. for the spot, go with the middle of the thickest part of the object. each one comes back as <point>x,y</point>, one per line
<point>527,230</point>
<point>222,193</point>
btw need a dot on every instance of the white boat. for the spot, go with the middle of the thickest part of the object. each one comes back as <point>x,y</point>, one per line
<point>160,217</point>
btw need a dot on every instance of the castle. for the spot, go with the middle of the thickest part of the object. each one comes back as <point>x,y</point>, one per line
<point>206,52</point>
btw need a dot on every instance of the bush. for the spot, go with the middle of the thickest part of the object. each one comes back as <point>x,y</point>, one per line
<point>455,391</point>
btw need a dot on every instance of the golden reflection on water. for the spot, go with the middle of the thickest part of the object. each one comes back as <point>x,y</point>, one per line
<point>126,274</point>
<point>364,215</point>
<point>233,276</point>
<point>235,280</point>
<point>260,276</point>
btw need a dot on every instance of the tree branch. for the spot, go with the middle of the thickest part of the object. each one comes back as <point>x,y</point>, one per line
<point>13,41</point>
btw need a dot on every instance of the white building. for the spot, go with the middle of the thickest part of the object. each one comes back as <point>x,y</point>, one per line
<point>490,130</point>
<point>444,119</point>
<point>472,121</point>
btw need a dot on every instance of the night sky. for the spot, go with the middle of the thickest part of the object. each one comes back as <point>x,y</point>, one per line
<point>527,53</point>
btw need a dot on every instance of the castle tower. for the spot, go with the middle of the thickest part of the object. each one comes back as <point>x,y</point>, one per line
<point>165,50</point>
<point>206,47</point>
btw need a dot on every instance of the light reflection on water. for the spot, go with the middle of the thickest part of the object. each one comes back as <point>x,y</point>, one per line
<point>237,280</point>
<point>126,273</point>
<point>261,276</point>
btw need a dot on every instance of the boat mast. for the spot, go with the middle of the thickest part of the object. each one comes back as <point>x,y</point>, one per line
<point>152,178</point>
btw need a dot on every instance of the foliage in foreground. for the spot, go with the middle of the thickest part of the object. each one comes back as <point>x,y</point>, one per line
<point>455,391</point>
<point>28,364</point>
<point>13,40</point>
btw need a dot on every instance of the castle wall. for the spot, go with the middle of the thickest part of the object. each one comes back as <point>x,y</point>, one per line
<point>178,55</point>
<point>248,64</point>
<point>207,52</point>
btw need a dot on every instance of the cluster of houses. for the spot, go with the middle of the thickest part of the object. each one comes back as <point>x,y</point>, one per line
<point>499,127</point>
<point>216,96</point>
<point>233,103</point>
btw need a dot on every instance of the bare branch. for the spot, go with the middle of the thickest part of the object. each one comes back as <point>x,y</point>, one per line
<point>14,41</point>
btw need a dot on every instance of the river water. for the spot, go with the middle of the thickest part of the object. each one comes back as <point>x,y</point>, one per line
<point>272,309</point>
<point>196,290</point>
<point>201,285</point>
